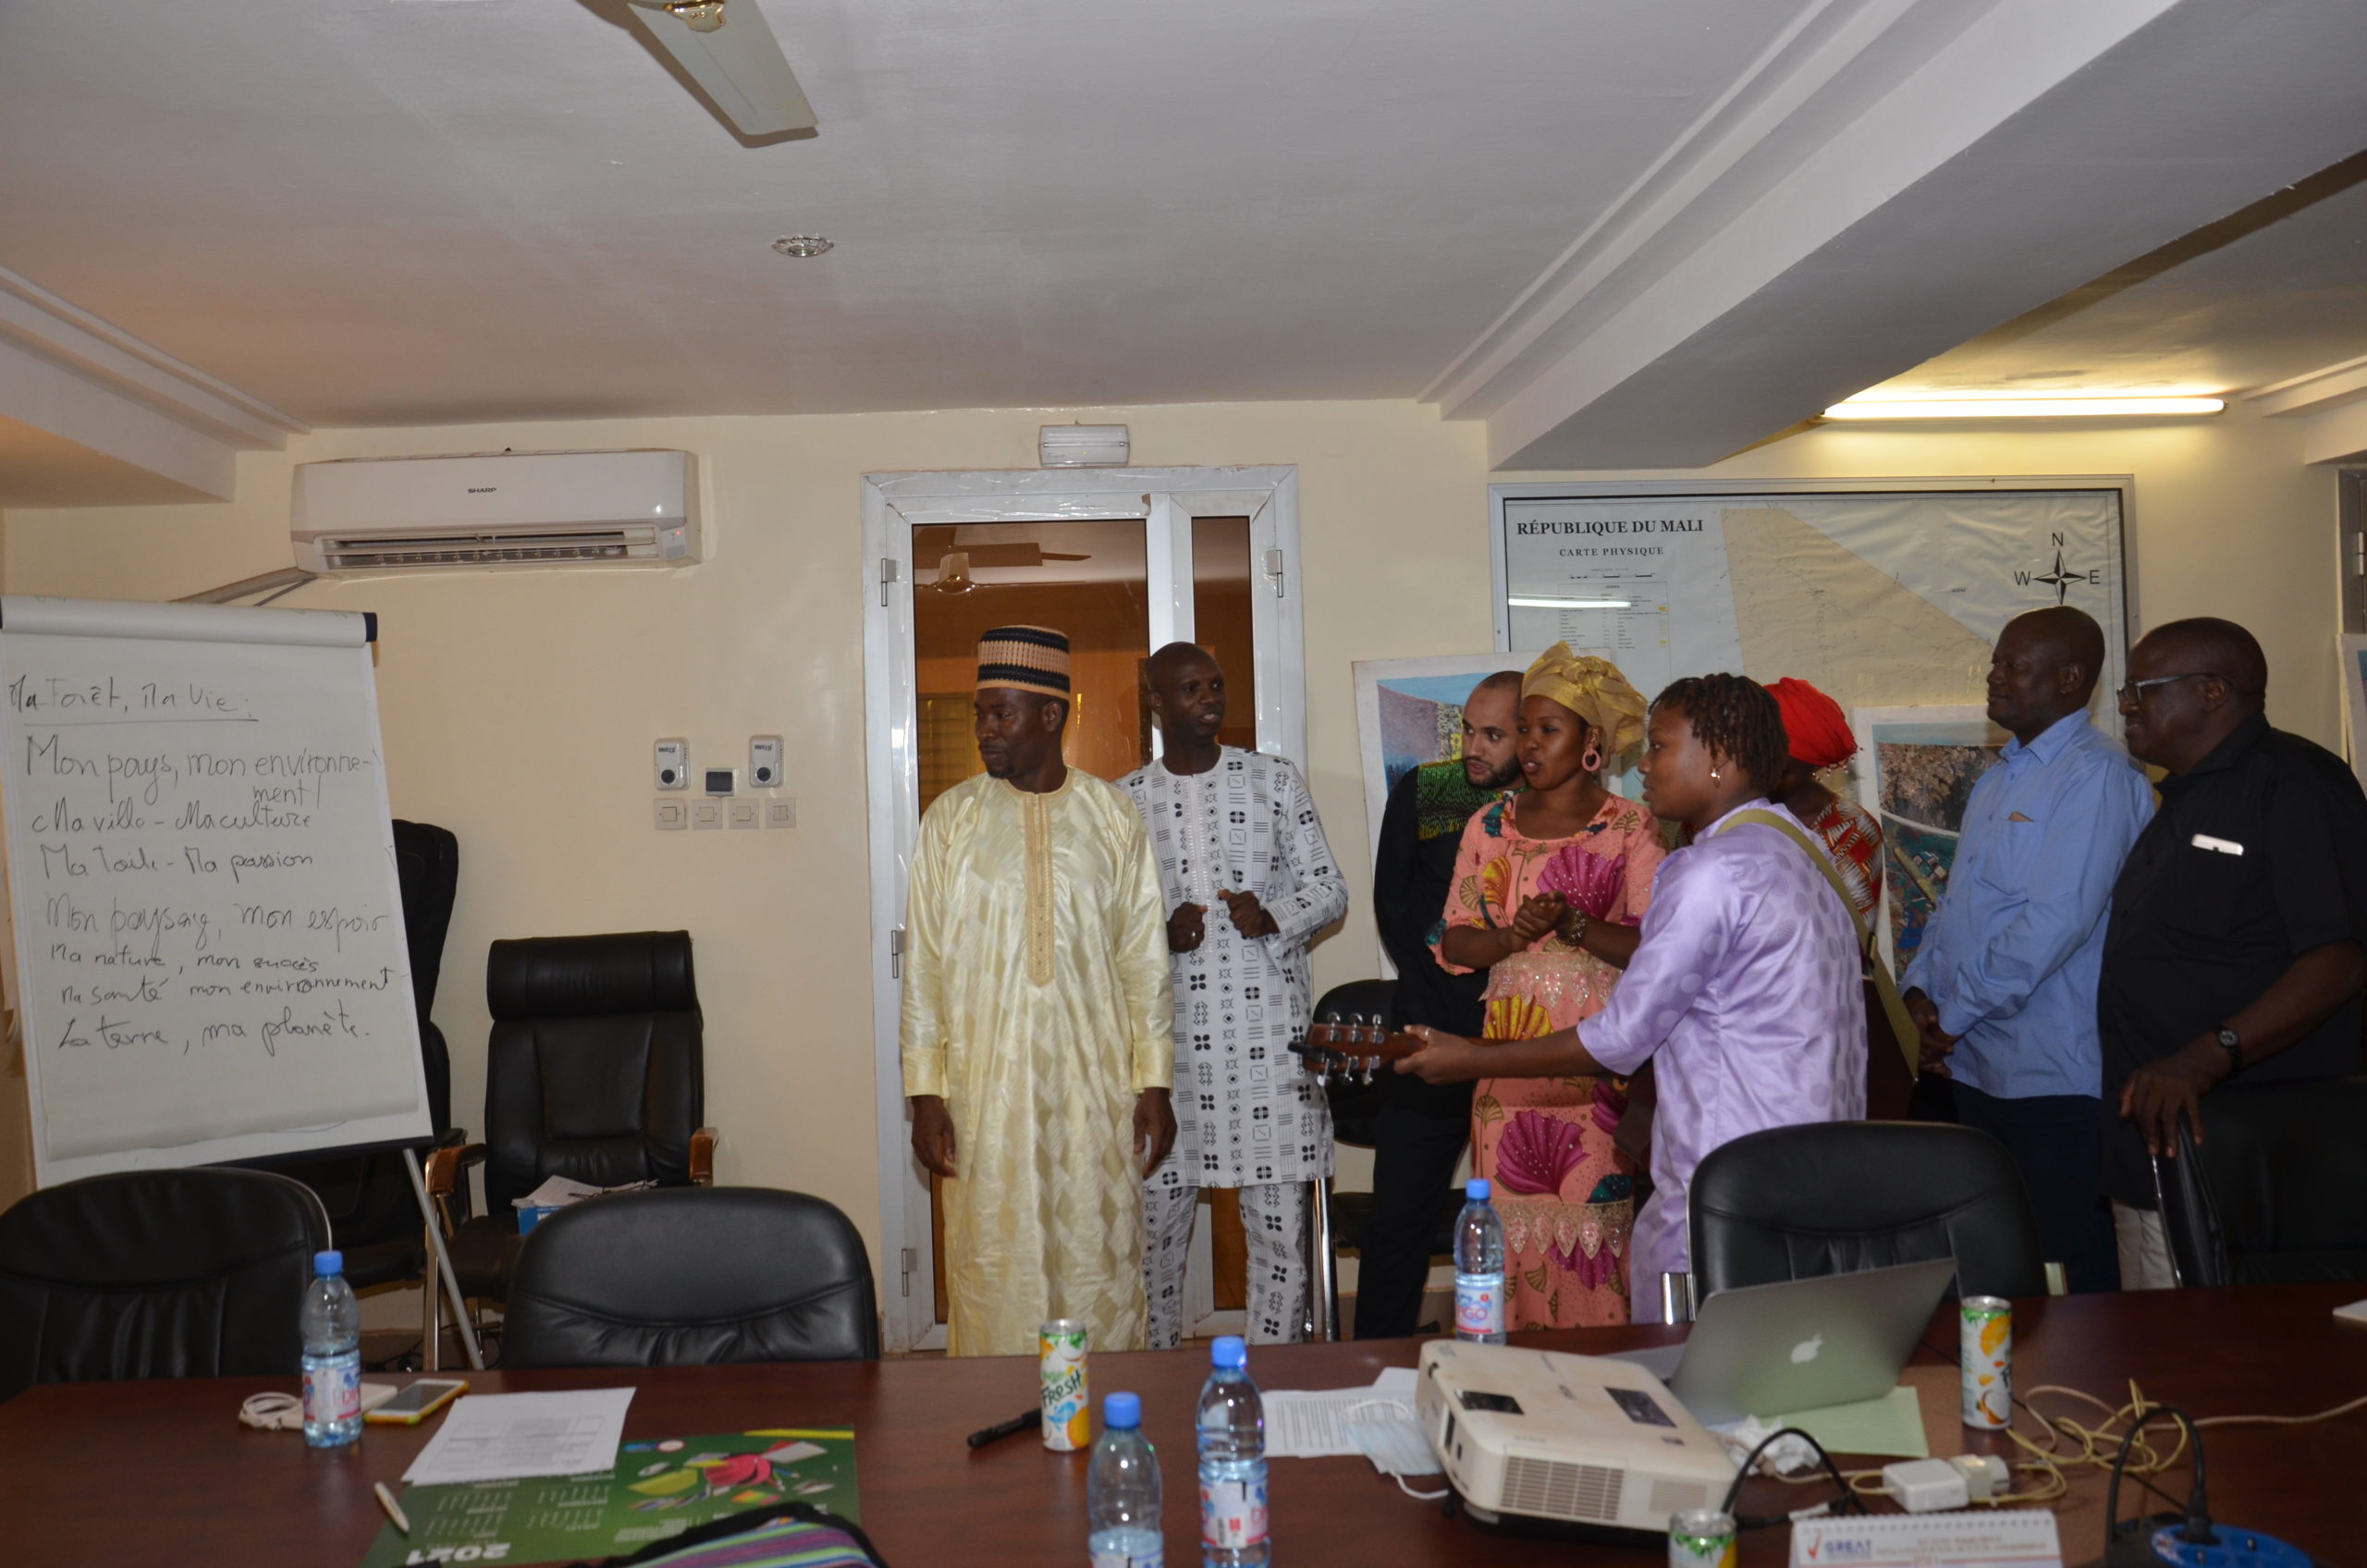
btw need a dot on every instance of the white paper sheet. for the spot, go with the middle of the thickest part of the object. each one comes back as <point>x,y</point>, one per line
<point>495,1437</point>
<point>1312,1423</point>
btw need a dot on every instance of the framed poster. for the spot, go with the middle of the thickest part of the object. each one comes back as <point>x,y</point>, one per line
<point>1915,770</point>
<point>1881,593</point>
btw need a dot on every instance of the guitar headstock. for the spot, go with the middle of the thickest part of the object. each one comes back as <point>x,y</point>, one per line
<point>1353,1046</point>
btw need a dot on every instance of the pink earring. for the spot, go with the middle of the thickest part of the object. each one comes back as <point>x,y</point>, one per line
<point>1592,761</point>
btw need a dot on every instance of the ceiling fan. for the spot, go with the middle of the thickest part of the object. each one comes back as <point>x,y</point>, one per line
<point>728,51</point>
<point>954,567</point>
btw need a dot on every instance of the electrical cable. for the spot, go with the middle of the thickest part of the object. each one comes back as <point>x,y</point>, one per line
<point>1850,1499</point>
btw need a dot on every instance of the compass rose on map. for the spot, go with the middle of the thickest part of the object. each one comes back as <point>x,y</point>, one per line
<point>2060,579</point>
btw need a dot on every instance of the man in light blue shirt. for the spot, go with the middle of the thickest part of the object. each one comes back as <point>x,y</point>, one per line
<point>2004,985</point>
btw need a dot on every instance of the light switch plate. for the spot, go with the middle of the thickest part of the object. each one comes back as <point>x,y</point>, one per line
<point>707,813</point>
<point>673,816</point>
<point>745,812</point>
<point>781,811</point>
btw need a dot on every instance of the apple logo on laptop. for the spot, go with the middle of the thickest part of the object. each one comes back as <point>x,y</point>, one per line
<point>1806,1351</point>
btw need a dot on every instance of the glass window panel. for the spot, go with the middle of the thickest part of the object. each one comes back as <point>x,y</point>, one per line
<point>1222,583</point>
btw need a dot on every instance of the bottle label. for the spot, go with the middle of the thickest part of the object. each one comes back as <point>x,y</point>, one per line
<point>334,1393</point>
<point>1155,1558</point>
<point>1478,1304</point>
<point>1233,1514</point>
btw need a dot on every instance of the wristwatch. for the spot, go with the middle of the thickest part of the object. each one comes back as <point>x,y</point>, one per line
<point>2233,1044</point>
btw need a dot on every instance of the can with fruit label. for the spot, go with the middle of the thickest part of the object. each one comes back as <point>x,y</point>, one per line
<point>1059,1351</point>
<point>1701,1538</point>
<point>1986,1354</point>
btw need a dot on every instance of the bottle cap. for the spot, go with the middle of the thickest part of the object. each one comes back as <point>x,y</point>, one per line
<point>1475,1189</point>
<point>1121,1412</point>
<point>326,1263</point>
<point>1229,1351</point>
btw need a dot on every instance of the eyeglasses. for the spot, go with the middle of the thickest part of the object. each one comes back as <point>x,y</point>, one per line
<point>2135,691</point>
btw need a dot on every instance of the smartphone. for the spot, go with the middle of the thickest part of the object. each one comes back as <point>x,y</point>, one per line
<point>418,1401</point>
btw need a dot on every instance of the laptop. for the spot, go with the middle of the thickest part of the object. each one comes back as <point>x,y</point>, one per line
<point>1800,1344</point>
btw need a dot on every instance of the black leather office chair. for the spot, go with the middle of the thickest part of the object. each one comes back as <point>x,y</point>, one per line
<point>196,1273</point>
<point>1340,1217</point>
<point>1794,1203</point>
<point>692,1276</point>
<point>2278,1191</point>
<point>594,1070</point>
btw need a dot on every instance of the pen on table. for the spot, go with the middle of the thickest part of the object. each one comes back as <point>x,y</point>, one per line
<point>394,1510</point>
<point>986,1435</point>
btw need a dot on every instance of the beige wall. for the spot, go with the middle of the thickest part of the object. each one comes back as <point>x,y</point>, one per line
<point>518,707</point>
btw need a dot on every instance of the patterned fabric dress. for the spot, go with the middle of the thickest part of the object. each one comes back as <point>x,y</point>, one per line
<point>1565,1195</point>
<point>1854,838</point>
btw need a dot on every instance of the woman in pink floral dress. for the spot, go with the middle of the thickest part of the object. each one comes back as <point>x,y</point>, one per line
<point>1548,890</point>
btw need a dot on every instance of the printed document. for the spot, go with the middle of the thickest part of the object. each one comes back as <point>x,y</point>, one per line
<point>497,1437</point>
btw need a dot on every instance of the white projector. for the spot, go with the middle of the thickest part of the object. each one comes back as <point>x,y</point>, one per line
<point>1538,1437</point>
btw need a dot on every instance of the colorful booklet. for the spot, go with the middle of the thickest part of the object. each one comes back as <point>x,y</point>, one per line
<point>658,1490</point>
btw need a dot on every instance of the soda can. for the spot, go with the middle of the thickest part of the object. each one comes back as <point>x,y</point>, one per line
<point>1985,1351</point>
<point>1060,1353</point>
<point>1701,1538</point>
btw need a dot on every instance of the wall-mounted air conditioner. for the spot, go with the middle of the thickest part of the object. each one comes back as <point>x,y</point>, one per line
<point>499,510</point>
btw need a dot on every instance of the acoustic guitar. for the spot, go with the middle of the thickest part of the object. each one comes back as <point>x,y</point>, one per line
<point>1353,1046</point>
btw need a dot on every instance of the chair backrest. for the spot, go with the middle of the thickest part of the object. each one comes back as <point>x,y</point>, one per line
<point>691,1275</point>
<point>1793,1203</point>
<point>2282,1173</point>
<point>594,1069</point>
<point>196,1273</point>
<point>427,870</point>
<point>1356,1108</point>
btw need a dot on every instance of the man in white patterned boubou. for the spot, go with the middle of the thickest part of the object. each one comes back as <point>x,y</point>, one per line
<point>1248,880</point>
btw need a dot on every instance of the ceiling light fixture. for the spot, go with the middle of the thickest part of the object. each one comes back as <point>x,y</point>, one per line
<point>2023,407</point>
<point>801,245</point>
<point>1530,603</point>
<point>699,16</point>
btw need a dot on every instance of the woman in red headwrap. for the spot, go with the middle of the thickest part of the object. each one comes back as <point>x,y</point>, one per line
<point>1819,737</point>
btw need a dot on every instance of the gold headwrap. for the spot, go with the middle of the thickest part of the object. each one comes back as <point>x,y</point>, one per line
<point>1594,689</point>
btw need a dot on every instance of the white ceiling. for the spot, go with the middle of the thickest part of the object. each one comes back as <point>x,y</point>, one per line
<point>2273,293</point>
<point>373,212</point>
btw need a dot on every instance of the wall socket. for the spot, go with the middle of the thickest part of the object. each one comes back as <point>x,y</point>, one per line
<point>781,811</point>
<point>744,812</point>
<point>707,813</point>
<point>673,816</point>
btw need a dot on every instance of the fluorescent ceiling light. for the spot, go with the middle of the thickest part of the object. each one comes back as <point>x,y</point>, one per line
<point>1529,602</point>
<point>2020,408</point>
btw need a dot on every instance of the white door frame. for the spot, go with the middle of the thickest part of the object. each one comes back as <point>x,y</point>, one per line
<point>894,504</point>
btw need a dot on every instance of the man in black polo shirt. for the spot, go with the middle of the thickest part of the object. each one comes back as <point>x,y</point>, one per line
<point>2235,942</point>
<point>1422,1127</point>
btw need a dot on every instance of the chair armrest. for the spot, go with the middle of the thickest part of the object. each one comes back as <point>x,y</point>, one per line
<point>444,1164</point>
<point>703,1144</point>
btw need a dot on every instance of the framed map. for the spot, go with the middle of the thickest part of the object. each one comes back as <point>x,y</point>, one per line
<point>1915,770</point>
<point>1883,593</point>
<point>2354,700</point>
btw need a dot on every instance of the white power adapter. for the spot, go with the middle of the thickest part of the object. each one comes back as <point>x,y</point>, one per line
<point>1928,1486</point>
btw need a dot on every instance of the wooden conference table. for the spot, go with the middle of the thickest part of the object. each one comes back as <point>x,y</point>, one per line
<point>161,1472</point>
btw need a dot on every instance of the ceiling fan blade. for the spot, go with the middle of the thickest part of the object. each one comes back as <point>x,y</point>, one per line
<point>740,65</point>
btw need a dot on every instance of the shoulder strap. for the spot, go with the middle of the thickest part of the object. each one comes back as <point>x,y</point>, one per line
<point>1902,1027</point>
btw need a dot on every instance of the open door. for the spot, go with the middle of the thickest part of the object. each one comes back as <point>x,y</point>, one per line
<point>1123,561</point>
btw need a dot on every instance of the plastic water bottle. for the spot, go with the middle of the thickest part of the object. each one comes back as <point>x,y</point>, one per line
<point>331,1324</point>
<point>1478,1268</point>
<point>1232,1424</point>
<point>1122,1497</point>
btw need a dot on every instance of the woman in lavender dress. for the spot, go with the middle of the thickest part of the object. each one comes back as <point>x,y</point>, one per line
<point>1744,987</point>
